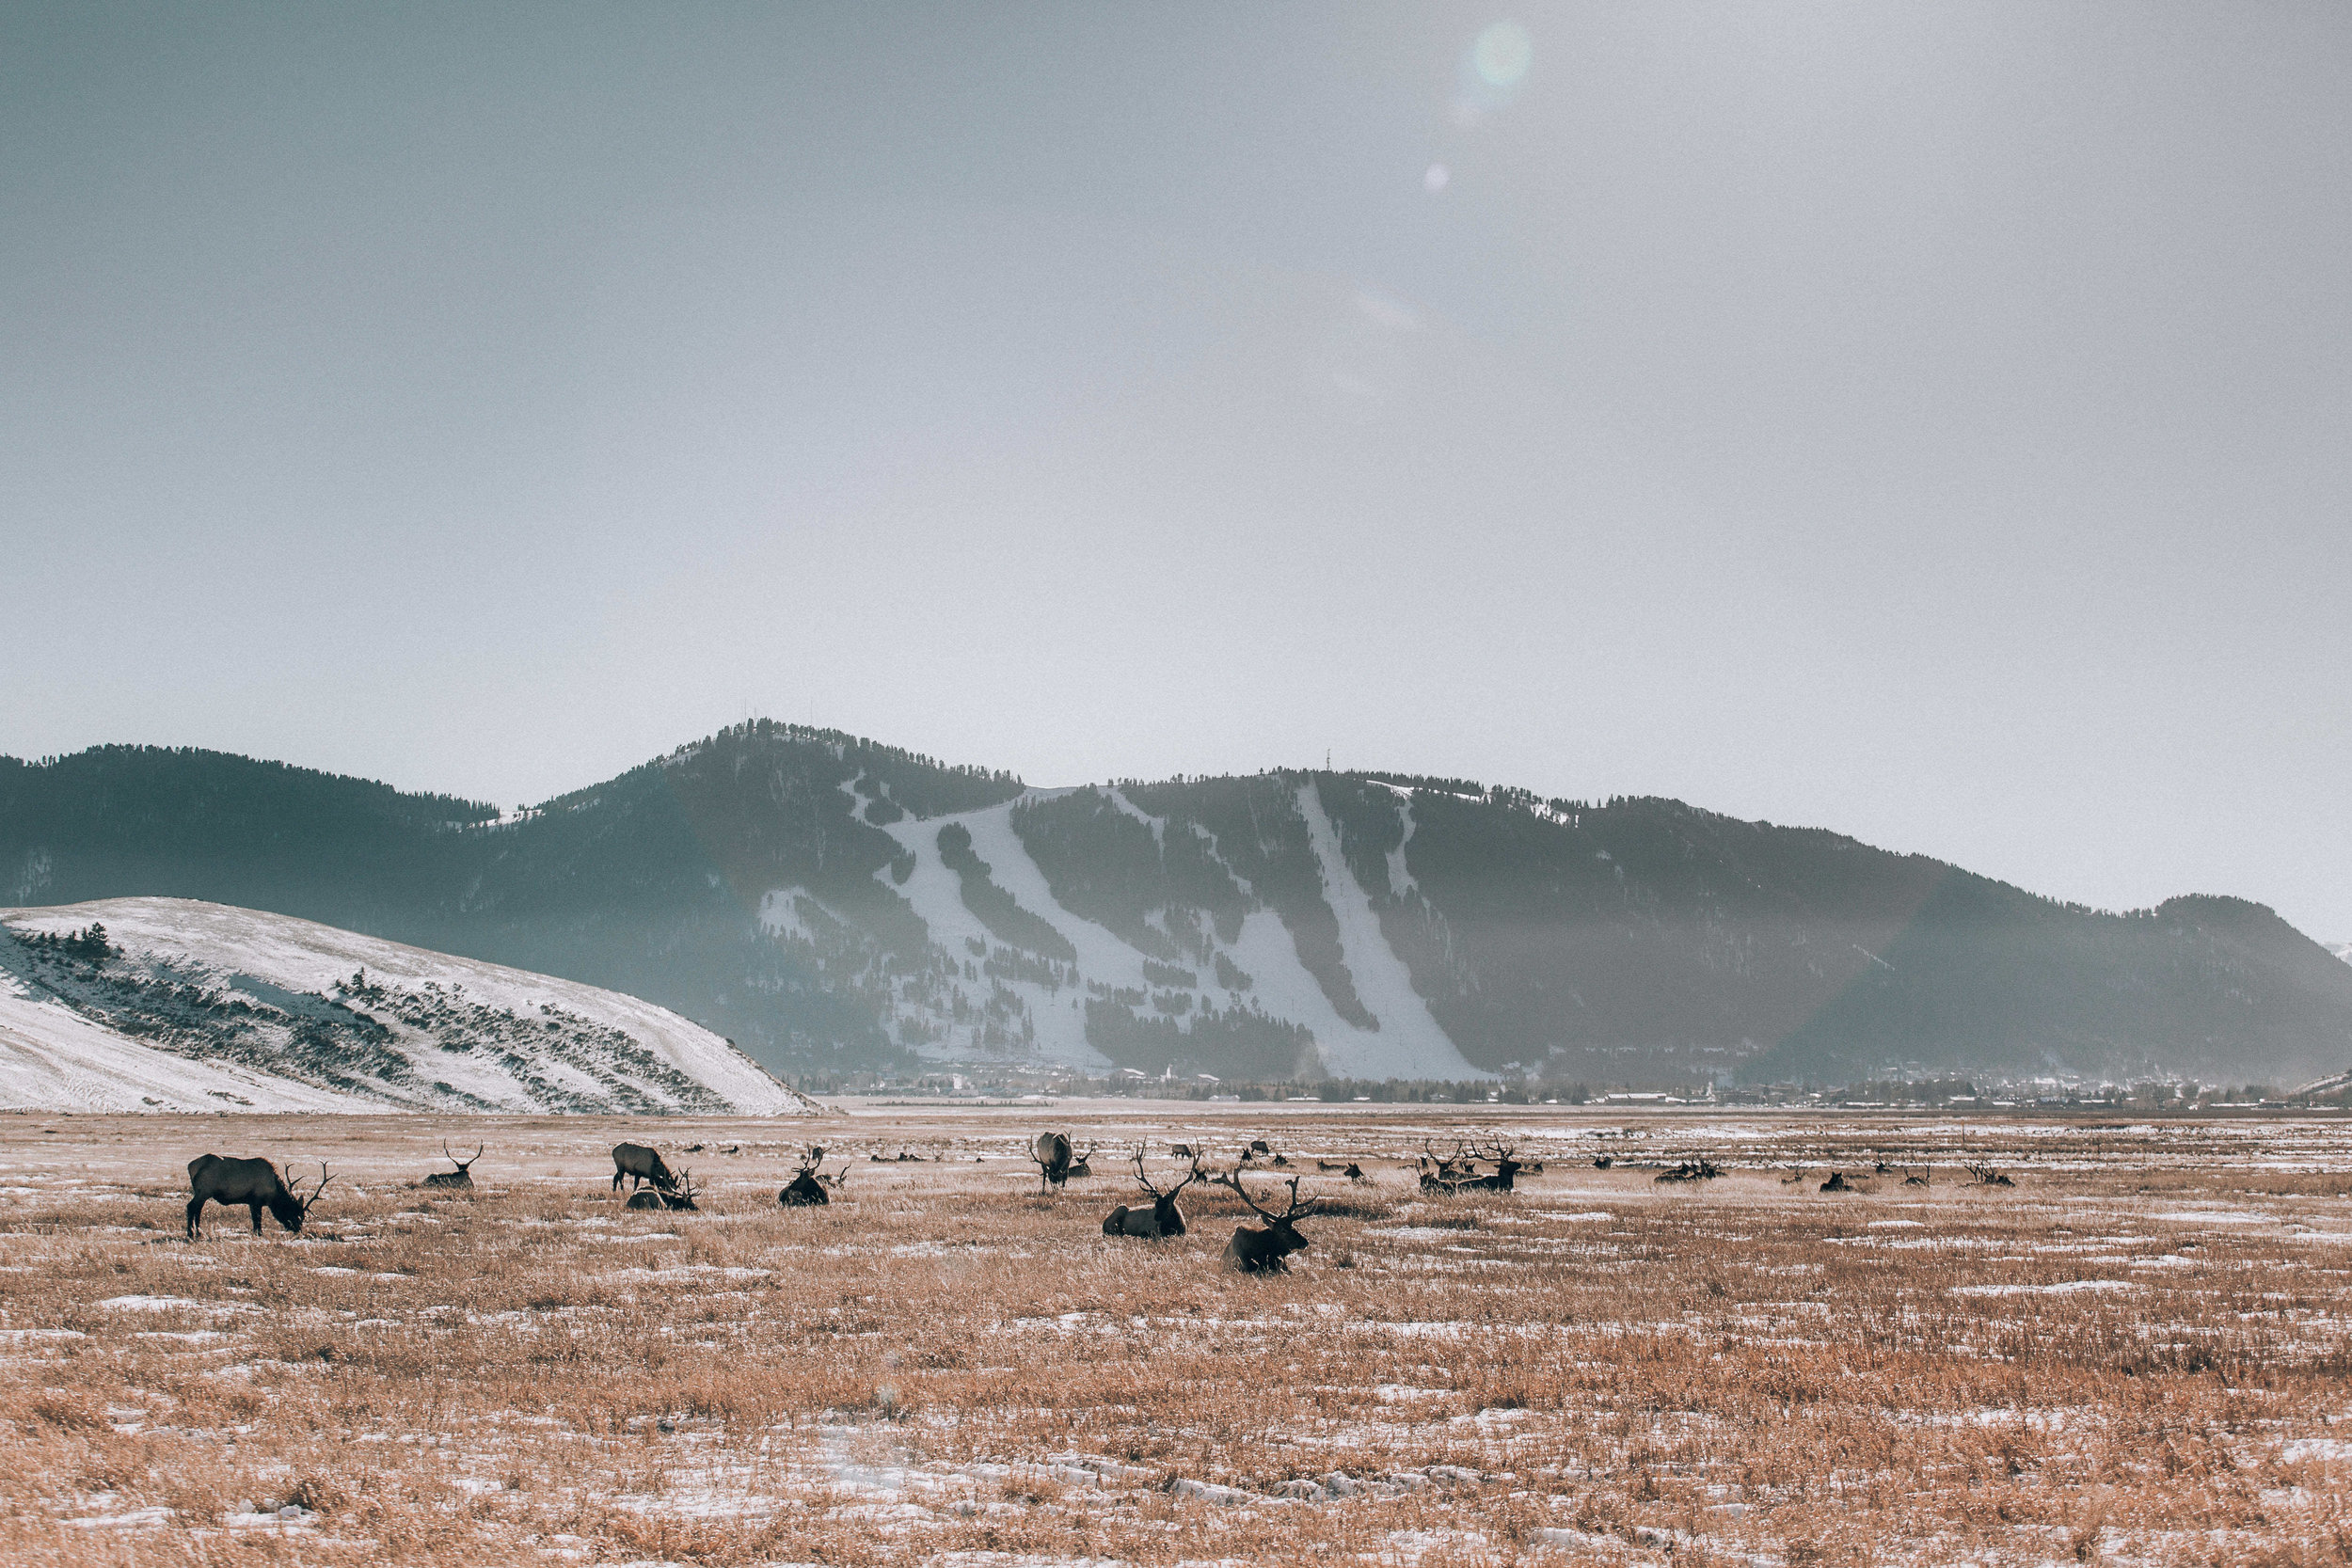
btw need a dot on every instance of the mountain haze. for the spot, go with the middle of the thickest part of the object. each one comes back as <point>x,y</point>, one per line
<point>826,900</point>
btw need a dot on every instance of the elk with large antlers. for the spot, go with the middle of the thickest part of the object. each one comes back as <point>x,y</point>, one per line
<point>678,1196</point>
<point>1080,1166</point>
<point>462,1178</point>
<point>1163,1218</point>
<point>1266,1250</point>
<point>1051,1151</point>
<point>255,1184</point>
<point>806,1187</point>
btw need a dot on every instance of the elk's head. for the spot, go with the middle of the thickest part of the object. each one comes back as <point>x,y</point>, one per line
<point>289,1208</point>
<point>1164,1210</point>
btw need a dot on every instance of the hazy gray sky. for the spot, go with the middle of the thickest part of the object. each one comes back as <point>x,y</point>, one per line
<point>1929,422</point>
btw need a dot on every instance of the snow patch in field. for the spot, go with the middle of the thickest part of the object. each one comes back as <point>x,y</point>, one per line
<point>2063,1287</point>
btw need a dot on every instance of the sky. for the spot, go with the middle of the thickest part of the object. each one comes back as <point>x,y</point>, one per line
<point>1929,422</point>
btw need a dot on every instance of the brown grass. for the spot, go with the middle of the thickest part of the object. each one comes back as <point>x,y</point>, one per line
<point>2138,1354</point>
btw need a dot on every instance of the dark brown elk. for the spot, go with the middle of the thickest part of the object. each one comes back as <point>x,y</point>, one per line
<point>1350,1169</point>
<point>678,1197</point>
<point>255,1184</point>
<point>1079,1166</point>
<point>640,1164</point>
<point>1987,1177</point>
<point>1259,1145</point>
<point>1838,1183</point>
<point>1266,1250</point>
<point>1163,1218</point>
<point>1051,1151</point>
<point>1186,1151</point>
<point>805,1188</point>
<point>461,1178</point>
<point>1700,1169</point>
<point>1499,1180</point>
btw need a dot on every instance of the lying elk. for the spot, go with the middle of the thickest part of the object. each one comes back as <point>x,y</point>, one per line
<point>806,1187</point>
<point>1163,1218</point>
<point>1987,1177</point>
<point>1352,1171</point>
<point>256,1184</point>
<point>640,1164</point>
<point>680,1196</point>
<point>1838,1183</point>
<point>460,1179</point>
<point>1506,1167</point>
<point>1441,1174</point>
<point>1267,1250</point>
<point>1079,1166</point>
<point>1700,1169</point>
<point>1052,1153</point>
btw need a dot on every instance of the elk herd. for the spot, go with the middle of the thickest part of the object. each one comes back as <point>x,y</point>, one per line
<point>1263,1248</point>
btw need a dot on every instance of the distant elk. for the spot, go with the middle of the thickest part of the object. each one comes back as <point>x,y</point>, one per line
<point>1163,1218</point>
<point>1987,1177</point>
<point>640,1164</point>
<point>1700,1169</point>
<point>1838,1183</point>
<point>255,1184</point>
<point>1051,1151</point>
<point>1080,1166</point>
<point>460,1180</point>
<point>680,1196</point>
<point>1266,1250</point>
<point>1352,1171</point>
<point>1459,1174</point>
<point>1186,1151</point>
<point>806,1187</point>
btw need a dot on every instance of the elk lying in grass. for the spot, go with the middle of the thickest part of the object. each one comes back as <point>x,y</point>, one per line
<point>680,1196</point>
<point>640,1164</point>
<point>255,1184</point>
<point>1080,1166</point>
<point>1266,1250</point>
<point>1700,1169</point>
<point>1051,1151</point>
<point>1838,1183</point>
<point>461,1178</point>
<point>1352,1171</point>
<point>806,1186</point>
<point>1987,1177</point>
<point>1459,1172</point>
<point>1163,1218</point>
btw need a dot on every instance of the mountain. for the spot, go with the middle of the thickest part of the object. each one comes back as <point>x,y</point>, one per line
<point>829,901</point>
<point>165,1004</point>
<point>2342,950</point>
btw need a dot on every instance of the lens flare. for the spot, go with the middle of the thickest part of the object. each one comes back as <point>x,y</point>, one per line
<point>1502,55</point>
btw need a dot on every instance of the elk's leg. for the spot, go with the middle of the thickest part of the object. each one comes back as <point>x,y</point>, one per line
<point>195,1216</point>
<point>255,1210</point>
<point>616,1178</point>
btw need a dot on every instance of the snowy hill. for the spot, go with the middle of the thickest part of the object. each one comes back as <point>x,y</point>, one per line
<point>2342,950</point>
<point>834,903</point>
<point>184,1005</point>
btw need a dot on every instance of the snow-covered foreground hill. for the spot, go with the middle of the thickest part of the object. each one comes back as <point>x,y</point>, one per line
<point>195,1007</point>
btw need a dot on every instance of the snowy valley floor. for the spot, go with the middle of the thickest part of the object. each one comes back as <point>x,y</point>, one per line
<point>2138,1354</point>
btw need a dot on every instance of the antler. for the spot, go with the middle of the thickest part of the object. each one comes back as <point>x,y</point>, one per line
<point>1141,1180</point>
<point>325,1177</point>
<point>1298,1206</point>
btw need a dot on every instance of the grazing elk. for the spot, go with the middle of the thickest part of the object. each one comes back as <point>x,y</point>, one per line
<point>1259,1145</point>
<point>461,1178</point>
<point>1186,1151</point>
<point>1266,1250</point>
<point>1052,1153</point>
<point>806,1187</point>
<point>255,1184</point>
<point>1163,1218</point>
<point>640,1164</point>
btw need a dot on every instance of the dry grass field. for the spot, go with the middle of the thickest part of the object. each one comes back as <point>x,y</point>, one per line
<point>2138,1354</point>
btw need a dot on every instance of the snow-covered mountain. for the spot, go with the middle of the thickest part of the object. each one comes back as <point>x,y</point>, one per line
<point>169,1004</point>
<point>2342,950</point>
<point>834,903</point>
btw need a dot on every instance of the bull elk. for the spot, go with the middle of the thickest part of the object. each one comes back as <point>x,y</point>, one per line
<point>1080,1166</point>
<point>640,1164</point>
<point>1163,1218</point>
<point>1348,1168</point>
<point>255,1184</point>
<point>806,1188</point>
<point>461,1178</point>
<point>678,1197</point>
<point>1051,1151</point>
<point>1266,1250</point>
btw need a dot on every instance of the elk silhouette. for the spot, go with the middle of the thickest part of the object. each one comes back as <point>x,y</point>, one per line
<point>679,1195</point>
<point>1838,1183</point>
<point>1079,1166</point>
<point>805,1188</point>
<point>1266,1250</point>
<point>1458,1172</point>
<point>1699,1169</point>
<point>1052,1153</point>
<point>255,1184</point>
<point>1348,1168</point>
<point>460,1179</point>
<point>640,1164</point>
<point>1163,1218</point>
<point>1987,1177</point>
